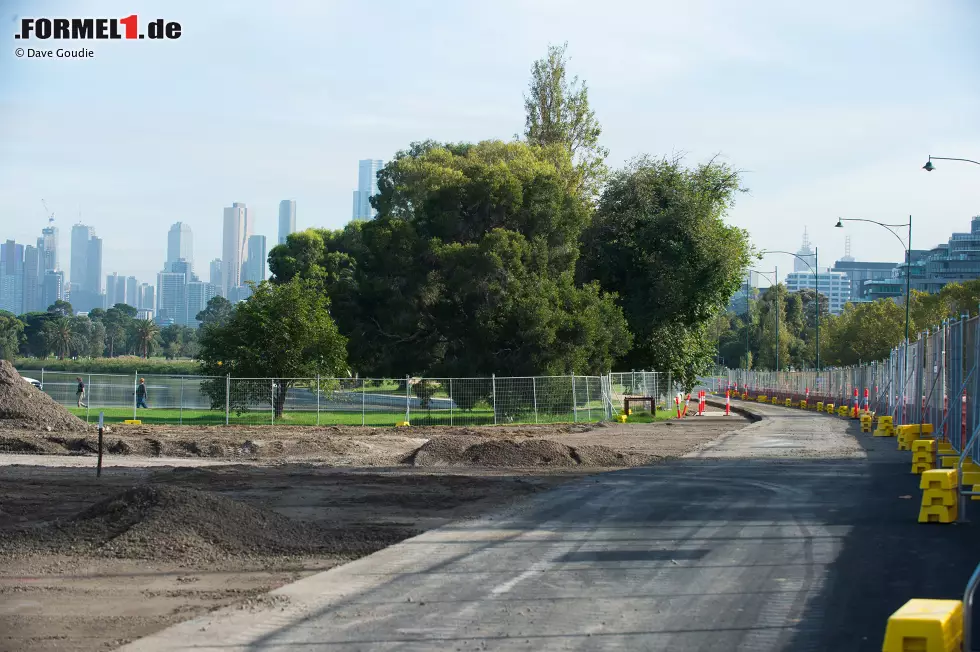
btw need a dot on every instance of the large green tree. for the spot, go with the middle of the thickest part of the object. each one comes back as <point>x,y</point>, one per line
<point>558,114</point>
<point>467,269</point>
<point>11,335</point>
<point>660,241</point>
<point>283,332</point>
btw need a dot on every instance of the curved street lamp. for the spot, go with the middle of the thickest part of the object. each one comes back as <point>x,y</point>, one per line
<point>775,285</point>
<point>908,269</point>
<point>929,167</point>
<point>816,287</point>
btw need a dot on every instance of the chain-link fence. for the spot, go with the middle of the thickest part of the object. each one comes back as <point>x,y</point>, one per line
<point>934,380</point>
<point>215,400</point>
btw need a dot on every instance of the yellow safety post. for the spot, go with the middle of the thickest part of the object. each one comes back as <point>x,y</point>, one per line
<point>885,427</point>
<point>789,402</point>
<point>926,626</point>
<point>865,423</point>
<point>842,411</point>
<point>803,404</point>
<point>819,406</point>
<point>923,455</point>
<point>829,407</point>
<point>940,496</point>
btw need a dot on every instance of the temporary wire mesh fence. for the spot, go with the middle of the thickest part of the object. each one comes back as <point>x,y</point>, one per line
<point>934,380</point>
<point>216,400</point>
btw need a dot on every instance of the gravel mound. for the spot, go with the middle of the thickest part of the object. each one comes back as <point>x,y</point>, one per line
<point>478,451</point>
<point>24,406</point>
<point>178,524</point>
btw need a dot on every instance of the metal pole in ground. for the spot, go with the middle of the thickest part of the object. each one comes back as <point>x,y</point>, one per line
<point>273,415</point>
<point>452,403</point>
<point>136,381</point>
<point>89,401</point>
<point>588,399</point>
<point>318,399</point>
<point>180,419</point>
<point>98,467</point>
<point>227,397</point>
<point>493,391</point>
<point>42,379</point>
<point>574,405</point>
<point>534,395</point>
<point>362,401</point>
<point>408,399</point>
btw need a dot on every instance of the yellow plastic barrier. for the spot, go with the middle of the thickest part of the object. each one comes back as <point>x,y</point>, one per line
<point>789,402</point>
<point>925,626</point>
<point>402,424</point>
<point>133,422</point>
<point>803,404</point>
<point>940,496</point>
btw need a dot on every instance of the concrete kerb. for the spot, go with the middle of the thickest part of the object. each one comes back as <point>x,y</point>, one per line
<point>748,413</point>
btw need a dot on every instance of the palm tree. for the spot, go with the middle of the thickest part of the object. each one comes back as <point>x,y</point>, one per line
<point>61,336</point>
<point>146,334</point>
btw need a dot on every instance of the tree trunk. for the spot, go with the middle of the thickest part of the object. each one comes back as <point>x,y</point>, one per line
<point>279,399</point>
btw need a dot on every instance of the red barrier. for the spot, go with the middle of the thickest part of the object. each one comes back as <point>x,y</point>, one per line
<point>728,400</point>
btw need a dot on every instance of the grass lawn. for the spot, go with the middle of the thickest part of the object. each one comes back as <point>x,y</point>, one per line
<point>475,417</point>
<point>646,417</point>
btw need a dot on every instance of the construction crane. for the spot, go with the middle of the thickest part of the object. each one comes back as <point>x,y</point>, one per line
<point>47,211</point>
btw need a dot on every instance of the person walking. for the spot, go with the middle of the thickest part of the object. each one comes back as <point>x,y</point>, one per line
<point>141,395</point>
<point>80,392</point>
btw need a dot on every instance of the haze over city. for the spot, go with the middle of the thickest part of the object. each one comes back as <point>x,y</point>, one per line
<point>829,111</point>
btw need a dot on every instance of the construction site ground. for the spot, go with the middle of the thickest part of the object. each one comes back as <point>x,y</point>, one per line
<point>184,521</point>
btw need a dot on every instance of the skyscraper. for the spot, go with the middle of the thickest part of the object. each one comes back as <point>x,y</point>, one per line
<point>806,253</point>
<point>145,297</point>
<point>234,249</point>
<point>33,276</point>
<point>171,298</point>
<point>12,277</point>
<point>52,288</point>
<point>255,264</point>
<point>367,186</point>
<point>48,244</point>
<point>214,274</point>
<point>180,243</point>
<point>287,219</point>
<point>198,295</point>
<point>115,290</point>
<point>86,269</point>
<point>132,287</point>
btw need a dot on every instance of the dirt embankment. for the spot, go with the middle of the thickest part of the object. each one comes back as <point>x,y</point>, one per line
<point>23,406</point>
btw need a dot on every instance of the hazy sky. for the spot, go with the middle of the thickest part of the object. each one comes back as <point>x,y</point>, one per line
<point>830,108</point>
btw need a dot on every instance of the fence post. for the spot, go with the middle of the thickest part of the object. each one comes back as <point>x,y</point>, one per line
<point>180,418</point>
<point>227,397</point>
<point>408,399</point>
<point>452,403</point>
<point>588,398</point>
<point>42,379</point>
<point>272,386</point>
<point>89,401</point>
<point>493,390</point>
<point>534,395</point>
<point>362,402</point>
<point>574,406</point>
<point>318,399</point>
<point>136,380</point>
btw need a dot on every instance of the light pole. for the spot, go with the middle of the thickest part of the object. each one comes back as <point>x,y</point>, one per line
<point>929,167</point>
<point>775,286</point>
<point>815,268</point>
<point>908,271</point>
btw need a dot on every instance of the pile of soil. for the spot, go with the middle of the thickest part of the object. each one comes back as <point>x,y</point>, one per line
<point>479,451</point>
<point>178,524</point>
<point>24,406</point>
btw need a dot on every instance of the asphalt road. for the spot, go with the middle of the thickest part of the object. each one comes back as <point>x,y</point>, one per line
<point>795,533</point>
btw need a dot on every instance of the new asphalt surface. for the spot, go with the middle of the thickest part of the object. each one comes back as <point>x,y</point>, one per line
<point>795,533</point>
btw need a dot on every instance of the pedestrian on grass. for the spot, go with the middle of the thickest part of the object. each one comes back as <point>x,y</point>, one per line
<point>80,392</point>
<point>141,395</point>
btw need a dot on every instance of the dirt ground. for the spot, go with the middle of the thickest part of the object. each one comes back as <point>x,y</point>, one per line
<point>89,564</point>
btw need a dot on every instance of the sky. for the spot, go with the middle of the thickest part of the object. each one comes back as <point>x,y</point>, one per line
<point>828,108</point>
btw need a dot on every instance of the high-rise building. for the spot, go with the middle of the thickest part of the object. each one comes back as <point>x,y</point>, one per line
<point>86,269</point>
<point>807,254</point>
<point>12,277</point>
<point>860,272</point>
<point>171,298</point>
<point>287,219</point>
<point>145,297</point>
<point>198,295</point>
<point>234,249</point>
<point>132,289</point>
<point>115,290</point>
<point>255,264</point>
<point>32,279</point>
<point>48,244</point>
<point>367,187</point>
<point>836,286</point>
<point>52,288</point>
<point>180,243</point>
<point>214,274</point>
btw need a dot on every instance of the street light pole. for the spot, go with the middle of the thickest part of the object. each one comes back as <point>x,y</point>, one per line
<point>776,288</point>
<point>748,275</point>
<point>929,167</point>
<point>816,285</point>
